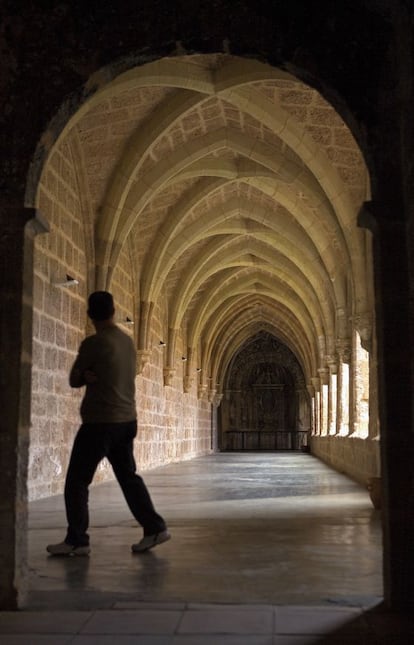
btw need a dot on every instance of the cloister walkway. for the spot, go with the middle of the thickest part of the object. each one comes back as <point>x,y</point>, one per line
<point>267,549</point>
<point>247,528</point>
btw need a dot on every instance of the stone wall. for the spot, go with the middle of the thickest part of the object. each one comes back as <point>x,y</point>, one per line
<point>58,322</point>
<point>358,458</point>
<point>173,425</point>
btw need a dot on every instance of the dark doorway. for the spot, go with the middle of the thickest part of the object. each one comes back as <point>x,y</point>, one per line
<point>266,404</point>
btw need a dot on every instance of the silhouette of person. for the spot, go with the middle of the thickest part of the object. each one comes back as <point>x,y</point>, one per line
<point>105,365</point>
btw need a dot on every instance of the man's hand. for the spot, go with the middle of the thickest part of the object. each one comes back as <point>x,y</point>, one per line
<point>90,377</point>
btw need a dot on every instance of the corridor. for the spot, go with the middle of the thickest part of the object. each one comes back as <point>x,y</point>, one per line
<point>240,179</point>
<point>251,528</point>
<point>266,549</point>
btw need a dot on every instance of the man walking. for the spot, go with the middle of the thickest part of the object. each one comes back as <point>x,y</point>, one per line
<point>105,364</point>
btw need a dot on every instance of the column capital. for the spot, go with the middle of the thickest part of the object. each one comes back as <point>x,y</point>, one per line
<point>38,224</point>
<point>202,391</point>
<point>188,383</point>
<point>344,349</point>
<point>332,362</point>
<point>217,400</point>
<point>211,394</point>
<point>168,373</point>
<point>323,375</point>
<point>374,215</point>
<point>316,383</point>
<point>143,356</point>
<point>363,324</point>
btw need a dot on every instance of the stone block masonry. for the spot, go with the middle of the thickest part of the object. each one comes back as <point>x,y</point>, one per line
<point>173,425</point>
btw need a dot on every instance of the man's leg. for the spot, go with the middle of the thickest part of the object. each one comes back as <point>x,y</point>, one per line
<point>120,454</point>
<point>88,450</point>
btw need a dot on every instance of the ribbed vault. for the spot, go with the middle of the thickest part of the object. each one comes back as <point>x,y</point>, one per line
<point>234,188</point>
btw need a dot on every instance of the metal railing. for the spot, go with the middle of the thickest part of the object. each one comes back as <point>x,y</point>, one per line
<point>264,440</point>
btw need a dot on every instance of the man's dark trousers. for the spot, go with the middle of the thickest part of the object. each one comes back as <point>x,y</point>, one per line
<point>93,442</point>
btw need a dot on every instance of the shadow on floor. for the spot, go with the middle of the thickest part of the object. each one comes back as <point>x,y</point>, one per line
<point>277,528</point>
<point>267,549</point>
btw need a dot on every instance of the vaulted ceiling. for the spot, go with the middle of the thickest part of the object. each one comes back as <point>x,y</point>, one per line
<point>235,188</point>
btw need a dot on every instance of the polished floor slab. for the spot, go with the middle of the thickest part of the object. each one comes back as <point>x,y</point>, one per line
<point>208,625</point>
<point>248,528</point>
<point>267,549</point>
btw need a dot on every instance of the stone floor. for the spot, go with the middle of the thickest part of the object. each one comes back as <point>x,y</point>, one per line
<point>267,548</point>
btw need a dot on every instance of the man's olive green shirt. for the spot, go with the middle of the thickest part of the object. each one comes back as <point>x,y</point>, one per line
<point>110,355</point>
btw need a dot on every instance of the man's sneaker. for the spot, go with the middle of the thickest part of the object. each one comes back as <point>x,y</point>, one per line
<point>63,548</point>
<point>149,541</point>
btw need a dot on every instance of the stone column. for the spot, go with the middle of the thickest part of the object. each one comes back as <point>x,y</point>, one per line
<point>143,350</point>
<point>333,396</point>
<point>18,229</point>
<point>395,395</point>
<point>353,388</point>
<point>311,392</point>
<point>316,382</point>
<point>374,426</point>
<point>303,415</point>
<point>324,400</point>
<point>343,346</point>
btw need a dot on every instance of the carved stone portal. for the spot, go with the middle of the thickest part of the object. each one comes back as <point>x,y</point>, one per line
<point>265,396</point>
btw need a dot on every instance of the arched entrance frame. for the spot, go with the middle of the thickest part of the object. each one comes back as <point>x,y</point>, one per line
<point>396,242</point>
<point>306,320</point>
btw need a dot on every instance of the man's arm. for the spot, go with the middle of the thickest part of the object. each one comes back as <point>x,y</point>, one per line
<point>81,374</point>
<point>76,377</point>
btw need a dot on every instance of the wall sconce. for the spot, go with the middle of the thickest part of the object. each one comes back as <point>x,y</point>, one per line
<point>128,321</point>
<point>183,358</point>
<point>198,369</point>
<point>161,343</point>
<point>67,281</point>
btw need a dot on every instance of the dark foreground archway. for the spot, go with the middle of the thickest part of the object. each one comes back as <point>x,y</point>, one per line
<point>49,57</point>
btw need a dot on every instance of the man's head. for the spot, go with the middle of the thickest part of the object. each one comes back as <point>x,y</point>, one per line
<point>101,306</point>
